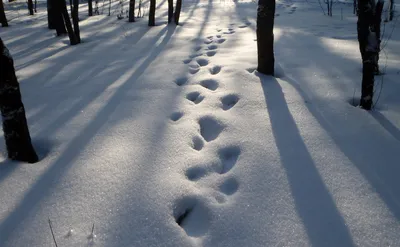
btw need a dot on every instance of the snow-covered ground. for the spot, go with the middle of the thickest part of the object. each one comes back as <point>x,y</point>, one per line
<point>167,136</point>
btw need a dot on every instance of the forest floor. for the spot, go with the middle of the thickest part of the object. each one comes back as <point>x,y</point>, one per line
<point>167,136</point>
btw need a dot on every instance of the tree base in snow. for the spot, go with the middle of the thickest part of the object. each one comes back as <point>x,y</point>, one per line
<point>15,126</point>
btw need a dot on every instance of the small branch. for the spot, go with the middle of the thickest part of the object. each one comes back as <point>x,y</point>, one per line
<point>52,233</point>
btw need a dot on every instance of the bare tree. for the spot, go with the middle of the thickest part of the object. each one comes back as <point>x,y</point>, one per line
<point>368,30</point>
<point>265,36</point>
<point>391,10</point>
<point>170,10</point>
<point>152,13</point>
<point>178,11</point>
<point>90,7</point>
<point>75,20</point>
<point>15,126</point>
<point>3,18</point>
<point>30,7</point>
<point>131,17</point>
<point>51,15</point>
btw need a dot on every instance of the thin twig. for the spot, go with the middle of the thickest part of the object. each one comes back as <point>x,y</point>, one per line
<point>92,229</point>
<point>52,233</point>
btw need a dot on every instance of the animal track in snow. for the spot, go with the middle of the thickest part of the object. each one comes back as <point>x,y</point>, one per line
<point>230,31</point>
<point>218,36</point>
<point>195,97</point>
<point>197,143</point>
<point>195,173</point>
<point>195,55</point>
<point>193,216</point>
<point>212,47</point>
<point>211,53</point>
<point>229,186</point>
<point>208,41</point>
<point>229,157</point>
<point>202,62</point>
<point>242,26</point>
<point>210,84</point>
<point>193,69</point>
<point>186,61</point>
<point>181,81</point>
<point>197,48</point>
<point>210,128</point>
<point>220,41</point>
<point>176,116</point>
<point>229,101</point>
<point>215,69</point>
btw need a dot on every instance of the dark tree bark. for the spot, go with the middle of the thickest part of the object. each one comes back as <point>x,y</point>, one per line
<point>75,19</point>
<point>51,15</point>
<point>90,5</point>
<point>59,25</point>
<point>178,11</point>
<point>377,29</point>
<point>35,6</point>
<point>30,7</point>
<point>152,13</point>
<point>109,8</point>
<point>72,37</point>
<point>15,126</point>
<point>170,10</point>
<point>354,6</point>
<point>131,11</point>
<point>368,30</point>
<point>3,18</point>
<point>391,10</point>
<point>265,36</point>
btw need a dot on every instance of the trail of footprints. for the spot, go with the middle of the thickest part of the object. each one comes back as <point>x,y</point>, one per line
<point>191,213</point>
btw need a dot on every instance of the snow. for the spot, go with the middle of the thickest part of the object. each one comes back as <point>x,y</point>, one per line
<point>168,136</point>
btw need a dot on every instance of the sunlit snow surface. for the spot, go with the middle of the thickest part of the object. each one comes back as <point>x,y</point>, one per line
<point>168,136</point>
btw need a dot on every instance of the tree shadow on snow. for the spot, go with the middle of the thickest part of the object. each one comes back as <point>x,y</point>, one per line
<point>55,172</point>
<point>314,204</point>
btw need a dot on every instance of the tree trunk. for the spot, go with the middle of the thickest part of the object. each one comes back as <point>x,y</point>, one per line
<point>75,19</point>
<point>30,7</point>
<point>391,10</point>
<point>51,15</point>
<point>3,18</point>
<point>35,6</point>
<point>15,126</point>
<point>131,11</point>
<point>90,5</point>
<point>377,30</point>
<point>265,36</point>
<point>56,6</point>
<point>72,37</point>
<point>368,38</point>
<point>109,8</point>
<point>152,13</point>
<point>170,10</point>
<point>178,11</point>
